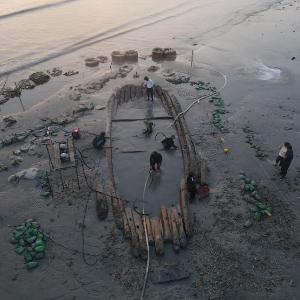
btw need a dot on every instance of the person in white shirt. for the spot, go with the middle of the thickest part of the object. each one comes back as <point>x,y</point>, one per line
<point>281,155</point>
<point>149,84</point>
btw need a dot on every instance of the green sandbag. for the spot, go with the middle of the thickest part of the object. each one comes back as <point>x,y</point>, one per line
<point>38,242</point>
<point>247,180</point>
<point>19,250</point>
<point>257,215</point>
<point>13,241</point>
<point>39,255</point>
<point>39,249</point>
<point>32,265</point>
<point>27,257</point>
<point>21,242</point>
<point>21,228</point>
<point>30,240</point>
<point>35,225</point>
<point>257,197</point>
<point>261,205</point>
<point>18,234</point>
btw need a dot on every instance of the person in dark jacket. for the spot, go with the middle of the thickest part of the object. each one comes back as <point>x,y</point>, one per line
<point>168,143</point>
<point>155,161</point>
<point>191,185</point>
<point>99,140</point>
<point>286,162</point>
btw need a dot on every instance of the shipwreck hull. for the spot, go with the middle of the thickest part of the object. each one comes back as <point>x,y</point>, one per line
<point>171,223</point>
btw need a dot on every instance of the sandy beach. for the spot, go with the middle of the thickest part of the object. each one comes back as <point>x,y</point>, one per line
<point>249,51</point>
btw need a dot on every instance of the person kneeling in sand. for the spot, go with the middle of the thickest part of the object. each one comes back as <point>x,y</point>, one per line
<point>155,161</point>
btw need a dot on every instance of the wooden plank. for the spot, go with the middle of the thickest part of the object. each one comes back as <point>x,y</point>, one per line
<point>157,234</point>
<point>134,237</point>
<point>174,230</point>
<point>184,208</point>
<point>165,224</point>
<point>179,222</point>
<point>127,232</point>
<point>142,119</point>
<point>139,228</point>
<point>149,230</point>
<point>117,209</point>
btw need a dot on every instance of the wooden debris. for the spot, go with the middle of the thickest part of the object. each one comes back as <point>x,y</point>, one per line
<point>139,228</point>
<point>149,230</point>
<point>174,230</point>
<point>127,232</point>
<point>157,234</point>
<point>184,208</point>
<point>181,232</point>
<point>134,237</point>
<point>117,209</point>
<point>165,224</point>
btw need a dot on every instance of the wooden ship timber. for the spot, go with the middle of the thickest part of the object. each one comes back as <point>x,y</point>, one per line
<point>173,223</point>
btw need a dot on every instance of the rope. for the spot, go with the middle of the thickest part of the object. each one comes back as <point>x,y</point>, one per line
<point>147,240</point>
<point>203,97</point>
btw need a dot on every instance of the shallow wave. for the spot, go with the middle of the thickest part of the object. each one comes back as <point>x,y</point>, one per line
<point>35,8</point>
<point>109,34</point>
<point>262,72</point>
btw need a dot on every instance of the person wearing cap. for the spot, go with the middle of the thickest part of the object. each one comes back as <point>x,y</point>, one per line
<point>168,143</point>
<point>148,83</point>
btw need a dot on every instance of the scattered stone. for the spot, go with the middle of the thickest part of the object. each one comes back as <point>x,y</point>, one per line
<point>71,73</point>
<point>26,84</point>
<point>75,97</point>
<point>17,152</point>
<point>102,59</point>
<point>3,99</point>
<point>153,68</point>
<point>83,106</point>
<point>15,160</point>
<point>55,72</point>
<point>63,119</point>
<point>3,167</point>
<point>124,70</point>
<point>9,92</point>
<point>25,148</point>
<point>28,174</point>
<point>170,274</point>
<point>39,78</point>
<point>176,77</point>
<point>9,121</point>
<point>91,62</point>
<point>99,107</point>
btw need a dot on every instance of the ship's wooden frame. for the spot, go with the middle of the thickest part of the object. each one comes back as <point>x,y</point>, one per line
<point>173,224</point>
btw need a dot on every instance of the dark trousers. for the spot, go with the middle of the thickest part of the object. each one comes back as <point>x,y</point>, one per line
<point>150,93</point>
<point>284,167</point>
<point>279,160</point>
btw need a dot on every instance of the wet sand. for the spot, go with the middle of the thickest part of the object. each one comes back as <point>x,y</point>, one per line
<point>226,260</point>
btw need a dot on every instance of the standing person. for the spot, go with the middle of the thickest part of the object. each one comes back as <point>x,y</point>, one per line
<point>191,185</point>
<point>286,162</point>
<point>155,161</point>
<point>149,84</point>
<point>281,154</point>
